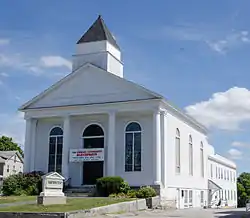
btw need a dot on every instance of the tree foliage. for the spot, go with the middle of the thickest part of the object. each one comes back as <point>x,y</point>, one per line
<point>243,188</point>
<point>7,144</point>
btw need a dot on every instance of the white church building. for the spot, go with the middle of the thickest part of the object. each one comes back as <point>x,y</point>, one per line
<point>95,123</point>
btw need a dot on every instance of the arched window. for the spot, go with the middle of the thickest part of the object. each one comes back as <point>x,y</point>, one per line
<point>133,147</point>
<point>177,152</point>
<point>190,156</point>
<point>202,159</point>
<point>93,137</point>
<point>55,150</point>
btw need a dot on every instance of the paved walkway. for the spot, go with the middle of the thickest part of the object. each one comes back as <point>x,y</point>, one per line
<point>188,213</point>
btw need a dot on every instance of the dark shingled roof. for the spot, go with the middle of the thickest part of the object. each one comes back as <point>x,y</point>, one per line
<point>98,32</point>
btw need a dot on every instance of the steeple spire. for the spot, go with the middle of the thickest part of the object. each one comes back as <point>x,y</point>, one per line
<point>98,32</point>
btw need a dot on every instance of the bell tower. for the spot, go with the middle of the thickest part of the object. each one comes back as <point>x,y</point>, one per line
<point>99,47</point>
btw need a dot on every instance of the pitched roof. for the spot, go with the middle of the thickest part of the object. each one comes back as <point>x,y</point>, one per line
<point>98,32</point>
<point>7,154</point>
<point>4,155</point>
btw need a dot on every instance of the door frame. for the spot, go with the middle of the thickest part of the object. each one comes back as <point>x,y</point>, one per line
<point>82,167</point>
<point>104,147</point>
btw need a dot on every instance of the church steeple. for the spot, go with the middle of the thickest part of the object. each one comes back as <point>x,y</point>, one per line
<point>98,32</point>
<point>99,47</point>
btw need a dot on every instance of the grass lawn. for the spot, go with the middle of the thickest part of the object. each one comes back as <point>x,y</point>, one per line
<point>12,199</point>
<point>72,204</point>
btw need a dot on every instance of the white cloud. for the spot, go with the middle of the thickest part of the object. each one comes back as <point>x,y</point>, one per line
<point>13,125</point>
<point>3,74</point>
<point>218,40</point>
<point>4,41</point>
<point>232,40</point>
<point>55,61</point>
<point>224,110</point>
<point>36,67</point>
<point>240,144</point>
<point>235,154</point>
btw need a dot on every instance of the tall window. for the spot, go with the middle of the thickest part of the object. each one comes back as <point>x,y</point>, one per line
<point>202,197</point>
<point>55,150</point>
<point>177,152</point>
<point>190,156</point>
<point>216,172</point>
<point>202,159</point>
<point>133,147</point>
<point>211,170</point>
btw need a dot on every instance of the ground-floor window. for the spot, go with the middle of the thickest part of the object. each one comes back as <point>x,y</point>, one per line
<point>190,198</point>
<point>185,196</point>
<point>55,150</point>
<point>202,197</point>
<point>133,147</point>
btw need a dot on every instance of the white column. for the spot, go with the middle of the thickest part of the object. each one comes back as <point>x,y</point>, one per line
<point>33,144</point>
<point>66,147</point>
<point>27,146</point>
<point>164,147</point>
<point>157,147</point>
<point>111,145</point>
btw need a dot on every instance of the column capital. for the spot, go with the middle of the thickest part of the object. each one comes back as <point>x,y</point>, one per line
<point>66,116</point>
<point>163,112</point>
<point>112,112</point>
<point>160,111</point>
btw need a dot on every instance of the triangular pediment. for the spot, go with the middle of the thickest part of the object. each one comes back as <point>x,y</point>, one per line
<point>53,175</point>
<point>90,85</point>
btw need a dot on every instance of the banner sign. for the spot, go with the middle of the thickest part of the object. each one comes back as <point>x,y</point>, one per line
<point>88,154</point>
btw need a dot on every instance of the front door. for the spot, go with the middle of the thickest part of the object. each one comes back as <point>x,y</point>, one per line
<point>92,171</point>
<point>183,199</point>
<point>93,137</point>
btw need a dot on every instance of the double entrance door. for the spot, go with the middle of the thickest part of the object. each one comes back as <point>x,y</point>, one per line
<point>185,198</point>
<point>93,137</point>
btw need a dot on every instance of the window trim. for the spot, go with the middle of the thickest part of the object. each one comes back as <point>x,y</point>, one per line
<point>91,137</point>
<point>124,154</point>
<point>191,156</point>
<point>202,161</point>
<point>178,136</point>
<point>55,136</point>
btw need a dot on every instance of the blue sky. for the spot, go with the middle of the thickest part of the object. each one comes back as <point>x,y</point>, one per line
<point>195,53</point>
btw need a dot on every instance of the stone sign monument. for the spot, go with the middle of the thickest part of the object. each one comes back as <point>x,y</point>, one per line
<point>52,190</point>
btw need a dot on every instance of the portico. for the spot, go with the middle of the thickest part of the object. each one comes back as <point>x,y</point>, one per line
<point>73,122</point>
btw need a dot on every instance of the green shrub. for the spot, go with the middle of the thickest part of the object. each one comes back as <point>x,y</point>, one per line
<point>131,194</point>
<point>118,195</point>
<point>23,184</point>
<point>145,192</point>
<point>124,187</point>
<point>113,195</point>
<point>109,185</point>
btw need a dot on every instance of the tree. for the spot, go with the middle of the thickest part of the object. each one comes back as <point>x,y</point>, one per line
<point>243,188</point>
<point>7,144</point>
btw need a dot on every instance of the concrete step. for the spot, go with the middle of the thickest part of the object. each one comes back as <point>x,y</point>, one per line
<point>82,191</point>
<point>68,194</point>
